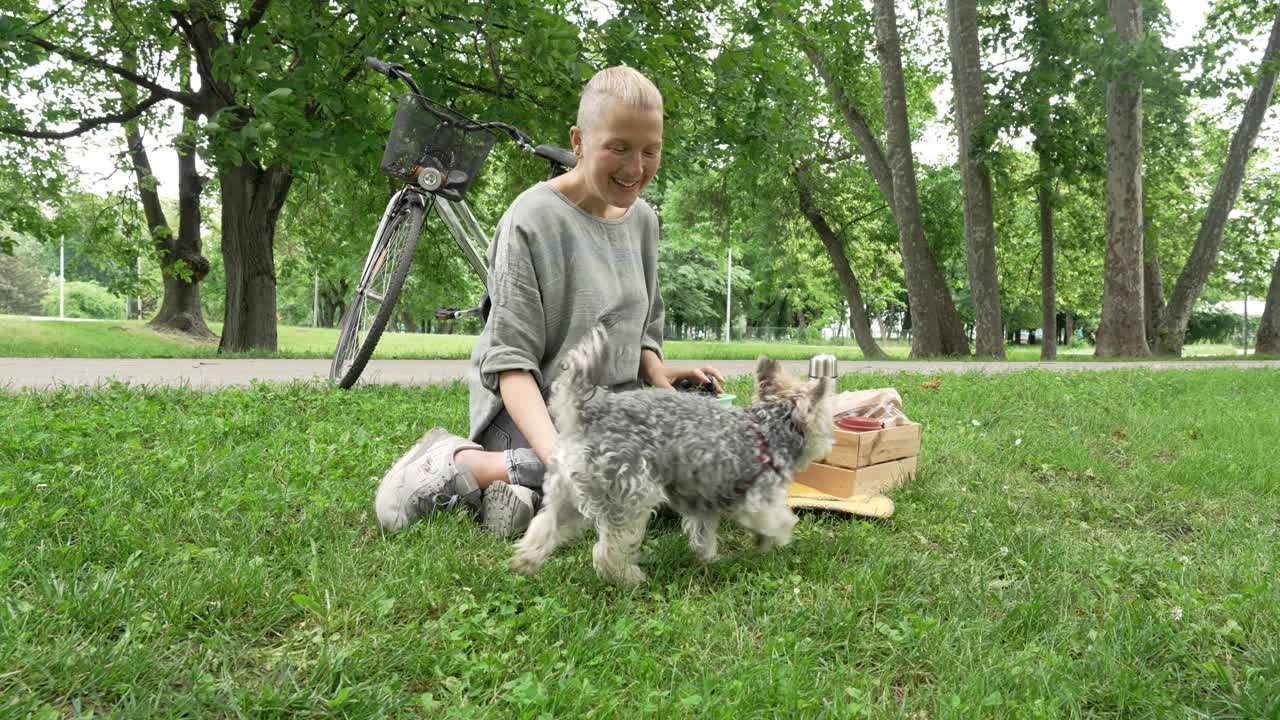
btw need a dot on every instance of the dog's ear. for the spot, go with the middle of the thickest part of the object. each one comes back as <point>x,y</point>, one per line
<point>820,390</point>
<point>767,371</point>
<point>810,401</point>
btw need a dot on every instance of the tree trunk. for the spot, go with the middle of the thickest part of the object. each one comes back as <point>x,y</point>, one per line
<point>1153,290</point>
<point>979,222</point>
<point>872,154</point>
<point>251,202</point>
<point>1048,281</point>
<point>858,319</point>
<point>1173,328</point>
<point>333,303</point>
<point>1269,327</point>
<point>936,328</point>
<point>183,266</point>
<point>1040,33</point>
<point>1122,332</point>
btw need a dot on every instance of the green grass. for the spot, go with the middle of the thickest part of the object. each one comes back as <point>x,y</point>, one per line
<point>1073,547</point>
<point>22,337</point>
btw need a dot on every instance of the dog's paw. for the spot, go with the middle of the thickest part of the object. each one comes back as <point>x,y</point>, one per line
<point>525,565</point>
<point>634,576</point>
<point>709,557</point>
<point>630,576</point>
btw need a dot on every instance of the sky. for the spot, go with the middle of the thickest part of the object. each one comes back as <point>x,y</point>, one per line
<point>937,144</point>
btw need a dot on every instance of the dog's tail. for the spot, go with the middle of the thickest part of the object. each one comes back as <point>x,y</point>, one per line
<point>576,383</point>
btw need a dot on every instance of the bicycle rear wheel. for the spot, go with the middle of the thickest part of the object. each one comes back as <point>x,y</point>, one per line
<point>377,293</point>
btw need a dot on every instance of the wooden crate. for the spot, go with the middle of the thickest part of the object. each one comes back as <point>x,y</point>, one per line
<point>864,481</point>
<point>860,449</point>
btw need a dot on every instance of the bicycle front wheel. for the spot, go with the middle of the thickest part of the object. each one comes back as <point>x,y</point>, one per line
<point>376,294</point>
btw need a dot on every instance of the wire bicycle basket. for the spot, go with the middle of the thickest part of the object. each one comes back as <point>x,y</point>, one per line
<point>435,147</point>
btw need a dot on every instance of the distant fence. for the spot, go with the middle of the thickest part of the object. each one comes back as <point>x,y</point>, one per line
<point>763,333</point>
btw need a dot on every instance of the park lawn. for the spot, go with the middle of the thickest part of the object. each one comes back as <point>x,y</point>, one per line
<point>1100,546</point>
<point>24,337</point>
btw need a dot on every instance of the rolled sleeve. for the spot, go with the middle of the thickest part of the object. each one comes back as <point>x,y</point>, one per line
<point>498,360</point>
<point>652,339</point>
<point>516,324</point>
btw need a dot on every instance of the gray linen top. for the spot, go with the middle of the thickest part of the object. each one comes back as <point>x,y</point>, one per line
<point>554,269</point>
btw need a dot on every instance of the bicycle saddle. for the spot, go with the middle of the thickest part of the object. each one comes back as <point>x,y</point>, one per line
<point>556,155</point>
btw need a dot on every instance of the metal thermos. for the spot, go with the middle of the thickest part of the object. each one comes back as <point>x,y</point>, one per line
<point>823,365</point>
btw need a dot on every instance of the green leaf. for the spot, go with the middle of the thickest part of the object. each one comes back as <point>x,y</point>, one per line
<point>308,604</point>
<point>340,698</point>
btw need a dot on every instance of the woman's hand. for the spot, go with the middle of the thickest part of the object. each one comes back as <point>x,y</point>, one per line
<point>696,376</point>
<point>658,375</point>
<point>667,377</point>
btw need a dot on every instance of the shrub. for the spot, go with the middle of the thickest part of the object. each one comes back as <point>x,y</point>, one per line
<point>22,284</point>
<point>1214,324</point>
<point>84,300</point>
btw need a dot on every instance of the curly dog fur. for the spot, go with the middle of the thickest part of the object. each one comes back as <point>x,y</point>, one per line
<point>621,455</point>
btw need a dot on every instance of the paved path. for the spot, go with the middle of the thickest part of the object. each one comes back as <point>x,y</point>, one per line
<point>212,373</point>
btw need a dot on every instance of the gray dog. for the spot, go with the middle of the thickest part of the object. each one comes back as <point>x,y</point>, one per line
<point>622,455</point>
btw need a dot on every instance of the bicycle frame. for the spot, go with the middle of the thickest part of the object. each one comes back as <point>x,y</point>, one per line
<point>466,231</point>
<point>457,215</point>
<point>458,219</point>
<point>386,213</point>
<point>394,255</point>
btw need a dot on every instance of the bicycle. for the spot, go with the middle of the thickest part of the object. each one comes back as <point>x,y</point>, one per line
<point>436,153</point>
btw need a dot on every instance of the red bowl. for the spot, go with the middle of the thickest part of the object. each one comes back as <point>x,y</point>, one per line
<point>859,424</point>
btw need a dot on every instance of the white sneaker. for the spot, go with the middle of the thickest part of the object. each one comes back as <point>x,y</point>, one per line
<point>425,479</point>
<point>506,509</point>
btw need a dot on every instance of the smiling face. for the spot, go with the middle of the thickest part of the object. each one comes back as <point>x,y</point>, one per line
<point>618,155</point>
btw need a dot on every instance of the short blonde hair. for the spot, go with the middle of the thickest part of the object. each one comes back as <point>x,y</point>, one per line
<point>619,84</point>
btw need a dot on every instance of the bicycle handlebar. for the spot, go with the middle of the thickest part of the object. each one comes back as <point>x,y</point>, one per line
<point>395,71</point>
<point>382,67</point>
<point>515,133</point>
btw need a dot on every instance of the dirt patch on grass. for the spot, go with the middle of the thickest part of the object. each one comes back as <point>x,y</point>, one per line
<point>195,341</point>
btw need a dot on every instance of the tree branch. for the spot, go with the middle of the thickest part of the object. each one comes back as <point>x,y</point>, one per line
<point>121,24</point>
<point>52,15</point>
<point>498,78</point>
<point>204,41</point>
<point>1006,61</point>
<point>87,125</point>
<point>508,93</point>
<point>497,92</point>
<point>837,158</point>
<point>868,214</point>
<point>248,22</point>
<point>80,58</point>
<point>866,140</point>
<point>477,23</point>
